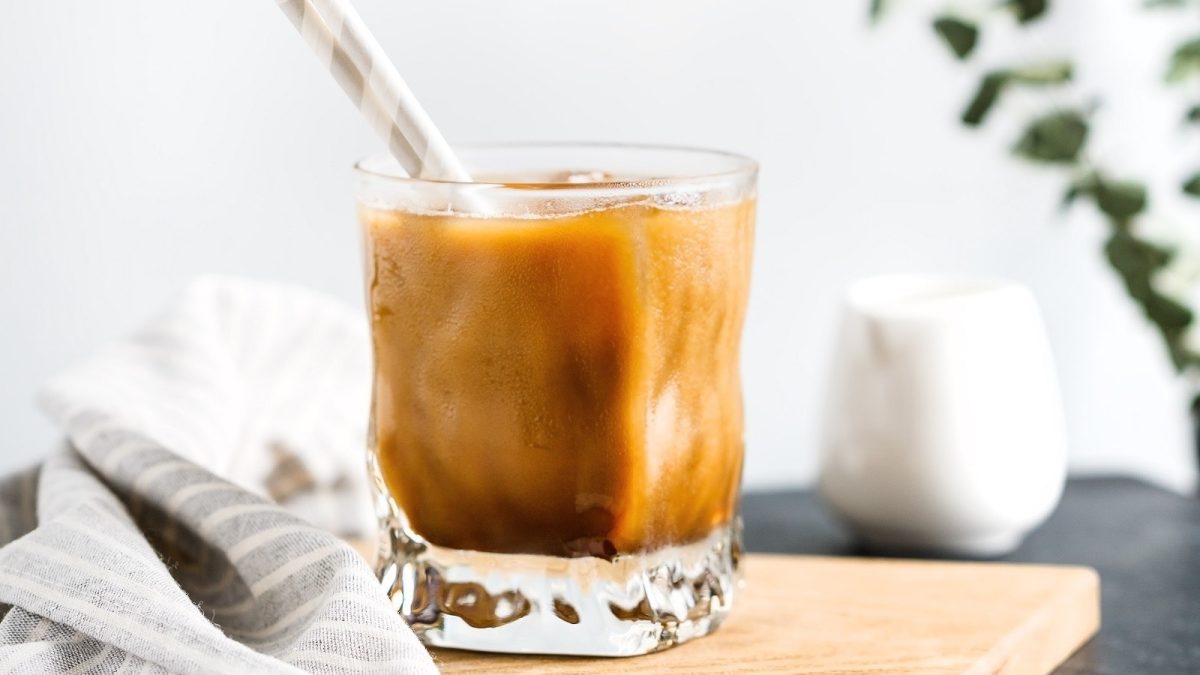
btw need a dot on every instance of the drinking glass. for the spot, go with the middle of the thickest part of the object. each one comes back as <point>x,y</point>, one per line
<point>556,426</point>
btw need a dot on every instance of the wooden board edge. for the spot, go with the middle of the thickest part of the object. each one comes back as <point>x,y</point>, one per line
<point>1053,633</point>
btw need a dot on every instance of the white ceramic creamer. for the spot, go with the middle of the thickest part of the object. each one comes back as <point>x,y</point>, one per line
<point>944,428</point>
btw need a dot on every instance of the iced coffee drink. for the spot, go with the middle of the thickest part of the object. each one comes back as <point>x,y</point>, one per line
<point>557,416</point>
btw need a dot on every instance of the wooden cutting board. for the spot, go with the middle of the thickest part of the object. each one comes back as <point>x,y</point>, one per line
<point>806,614</point>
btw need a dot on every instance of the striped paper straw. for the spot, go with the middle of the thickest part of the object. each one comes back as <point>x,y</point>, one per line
<point>340,39</point>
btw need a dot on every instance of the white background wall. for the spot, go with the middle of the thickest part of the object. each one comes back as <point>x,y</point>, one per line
<point>145,142</point>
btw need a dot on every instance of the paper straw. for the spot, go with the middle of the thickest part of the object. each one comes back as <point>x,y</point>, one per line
<point>340,39</point>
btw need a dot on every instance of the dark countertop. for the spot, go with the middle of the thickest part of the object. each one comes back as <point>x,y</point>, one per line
<point>1144,541</point>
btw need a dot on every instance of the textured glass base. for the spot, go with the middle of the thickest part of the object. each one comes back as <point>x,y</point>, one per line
<point>634,604</point>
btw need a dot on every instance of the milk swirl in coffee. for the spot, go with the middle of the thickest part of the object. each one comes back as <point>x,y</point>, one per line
<point>565,385</point>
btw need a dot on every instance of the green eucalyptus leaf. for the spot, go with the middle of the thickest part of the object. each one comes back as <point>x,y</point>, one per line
<point>1185,61</point>
<point>1073,193</point>
<point>1137,261</point>
<point>1120,200</point>
<point>1136,258</point>
<point>1172,319</point>
<point>1043,74</point>
<point>985,97</point>
<point>959,35</point>
<point>1026,10</point>
<point>1084,186</point>
<point>1122,252</point>
<point>1181,358</point>
<point>1191,186</point>
<point>1055,138</point>
<point>1168,312</point>
<point>875,10</point>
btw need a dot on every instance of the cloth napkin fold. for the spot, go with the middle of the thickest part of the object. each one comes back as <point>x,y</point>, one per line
<point>149,541</point>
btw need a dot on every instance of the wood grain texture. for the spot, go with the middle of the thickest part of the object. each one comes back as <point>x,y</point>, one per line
<point>805,614</point>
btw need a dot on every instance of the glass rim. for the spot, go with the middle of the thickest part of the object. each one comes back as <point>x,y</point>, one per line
<point>739,166</point>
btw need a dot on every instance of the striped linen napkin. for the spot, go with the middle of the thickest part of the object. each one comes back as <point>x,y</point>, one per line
<point>150,542</point>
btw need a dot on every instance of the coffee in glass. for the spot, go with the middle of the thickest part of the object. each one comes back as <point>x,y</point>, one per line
<point>557,413</point>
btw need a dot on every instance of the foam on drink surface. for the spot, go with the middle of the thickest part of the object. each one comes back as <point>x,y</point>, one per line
<point>549,195</point>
